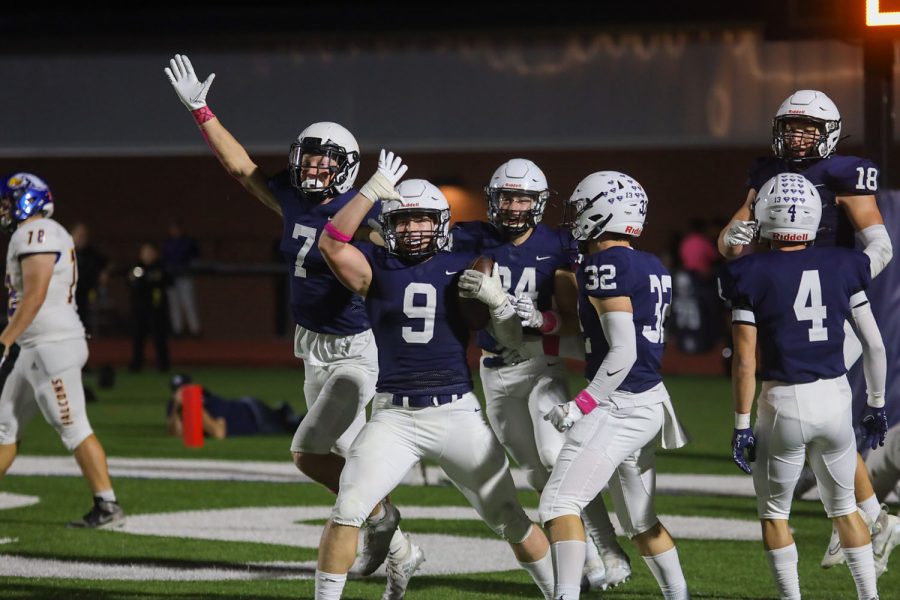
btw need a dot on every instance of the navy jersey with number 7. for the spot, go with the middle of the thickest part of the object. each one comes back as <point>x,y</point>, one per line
<point>798,301</point>
<point>623,271</point>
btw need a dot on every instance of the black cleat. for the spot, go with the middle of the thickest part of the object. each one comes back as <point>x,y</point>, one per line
<point>103,514</point>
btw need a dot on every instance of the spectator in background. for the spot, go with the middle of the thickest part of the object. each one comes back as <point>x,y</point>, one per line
<point>92,277</point>
<point>696,310</point>
<point>179,251</point>
<point>148,280</point>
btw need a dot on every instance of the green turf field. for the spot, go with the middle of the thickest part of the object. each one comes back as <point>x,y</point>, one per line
<point>129,421</point>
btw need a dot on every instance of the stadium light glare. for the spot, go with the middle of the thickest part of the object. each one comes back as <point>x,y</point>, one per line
<point>876,18</point>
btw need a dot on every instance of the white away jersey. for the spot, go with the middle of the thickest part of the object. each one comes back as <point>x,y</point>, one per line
<point>57,318</point>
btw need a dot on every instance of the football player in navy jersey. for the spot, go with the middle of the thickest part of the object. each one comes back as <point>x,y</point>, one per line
<point>424,405</point>
<point>333,335</point>
<point>615,422</point>
<point>793,302</point>
<point>522,384</point>
<point>805,133</point>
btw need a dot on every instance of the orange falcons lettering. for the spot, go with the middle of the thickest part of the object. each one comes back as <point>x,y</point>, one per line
<point>62,400</point>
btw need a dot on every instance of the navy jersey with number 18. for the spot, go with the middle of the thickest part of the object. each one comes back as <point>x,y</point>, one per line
<point>623,271</point>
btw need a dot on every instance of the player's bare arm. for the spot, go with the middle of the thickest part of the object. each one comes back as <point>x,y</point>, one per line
<point>349,264</point>
<point>743,367</point>
<point>565,293</point>
<point>739,232</point>
<point>227,149</point>
<point>37,269</point>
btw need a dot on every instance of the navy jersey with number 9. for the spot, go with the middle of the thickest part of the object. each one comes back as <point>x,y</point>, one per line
<point>419,330</point>
<point>622,271</point>
<point>798,301</point>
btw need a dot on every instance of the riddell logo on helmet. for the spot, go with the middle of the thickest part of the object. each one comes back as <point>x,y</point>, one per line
<point>790,237</point>
<point>634,230</point>
<point>796,112</point>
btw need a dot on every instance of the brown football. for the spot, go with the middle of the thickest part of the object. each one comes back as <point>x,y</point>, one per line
<point>476,313</point>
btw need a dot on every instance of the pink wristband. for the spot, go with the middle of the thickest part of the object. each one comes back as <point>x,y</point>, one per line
<point>551,322</point>
<point>585,402</point>
<point>202,115</point>
<point>336,233</point>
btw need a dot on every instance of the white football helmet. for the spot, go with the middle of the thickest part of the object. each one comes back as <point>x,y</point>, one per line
<point>329,140</point>
<point>788,209</point>
<point>607,201</point>
<point>417,198</point>
<point>517,177</point>
<point>815,108</point>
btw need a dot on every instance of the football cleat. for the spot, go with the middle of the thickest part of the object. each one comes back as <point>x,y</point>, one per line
<point>593,578</point>
<point>399,572</point>
<point>833,555</point>
<point>103,514</point>
<point>618,566</point>
<point>377,540</point>
<point>885,537</point>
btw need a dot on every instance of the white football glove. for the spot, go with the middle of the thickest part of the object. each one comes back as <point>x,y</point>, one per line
<point>190,91</point>
<point>528,312</point>
<point>563,416</point>
<point>487,289</point>
<point>740,233</point>
<point>381,185</point>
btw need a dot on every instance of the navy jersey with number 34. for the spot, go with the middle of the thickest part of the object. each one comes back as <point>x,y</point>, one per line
<point>418,327</point>
<point>622,271</point>
<point>798,301</point>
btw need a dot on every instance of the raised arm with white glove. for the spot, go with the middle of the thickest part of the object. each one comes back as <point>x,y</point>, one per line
<point>381,185</point>
<point>190,90</point>
<point>740,233</point>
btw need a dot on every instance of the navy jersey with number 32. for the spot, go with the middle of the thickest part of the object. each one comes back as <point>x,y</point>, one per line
<point>798,301</point>
<point>622,271</point>
<point>418,327</point>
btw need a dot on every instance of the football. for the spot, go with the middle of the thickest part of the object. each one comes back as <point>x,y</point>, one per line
<point>474,312</point>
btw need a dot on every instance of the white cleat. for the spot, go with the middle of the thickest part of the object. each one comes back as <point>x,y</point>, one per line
<point>885,537</point>
<point>377,541</point>
<point>618,567</point>
<point>400,572</point>
<point>593,578</point>
<point>833,554</point>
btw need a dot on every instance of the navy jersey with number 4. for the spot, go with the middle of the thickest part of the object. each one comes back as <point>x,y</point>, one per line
<point>833,176</point>
<point>318,300</point>
<point>623,271</point>
<point>418,327</point>
<point>525,269</point>
<point>799,301</point>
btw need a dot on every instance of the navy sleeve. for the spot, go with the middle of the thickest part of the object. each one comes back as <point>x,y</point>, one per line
<point>731,286</point>
<point>757,174</point>
<point>465,237</point>
<point>281,188</point>
<point>607,275</point>
<point>851,175</point>
<point>859,275</point>
<point>568,254</point>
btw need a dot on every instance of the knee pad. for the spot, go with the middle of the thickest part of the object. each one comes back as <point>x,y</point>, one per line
<point>515,527</point>
<point>73,435</point>
<point>349,509</point>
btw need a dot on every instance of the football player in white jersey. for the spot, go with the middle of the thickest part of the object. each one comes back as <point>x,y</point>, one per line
<point>44,328</point>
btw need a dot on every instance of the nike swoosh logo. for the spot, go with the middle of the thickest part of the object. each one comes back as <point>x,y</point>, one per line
<point>543,257</point>
<point>820,185</point>
<point>608,374</point>
<point>197,98</point>
<point>451,272</point>
<point>834,548</point>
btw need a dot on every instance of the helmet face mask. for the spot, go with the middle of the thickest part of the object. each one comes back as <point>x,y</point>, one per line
<point>516,196</point>
<point>22,196</point>
<point>806,127</point>
<point>606,202</point>
<point>323,161</point>
<point>788,209</point>
<point>416,226</point>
